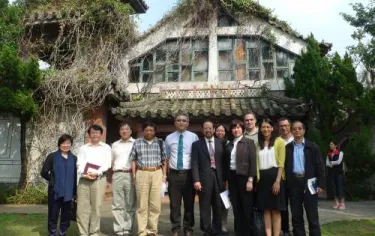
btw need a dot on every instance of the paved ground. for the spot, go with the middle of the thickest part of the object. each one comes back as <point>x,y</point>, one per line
<point>355,210</point>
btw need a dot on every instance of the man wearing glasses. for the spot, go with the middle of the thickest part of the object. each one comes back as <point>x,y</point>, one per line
<point>180,182</point>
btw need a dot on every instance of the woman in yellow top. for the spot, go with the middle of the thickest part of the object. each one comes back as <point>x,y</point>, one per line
<point>270,188</point>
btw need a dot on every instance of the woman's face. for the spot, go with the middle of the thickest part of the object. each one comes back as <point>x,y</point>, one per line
<point>65,146</point>
<point>266,129</point>
<point>237,131</point>
<point>220,132</point>
<point>332,146</point>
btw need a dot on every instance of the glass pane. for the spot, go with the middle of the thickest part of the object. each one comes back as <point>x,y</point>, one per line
<point>241,72</point>
<point>134,74</point>
<point>174,57</point>
<point>186,56</point>
<point>282,73</point>
<point>253,43</point>
<point>172,76</point>
<point>225,43</point>
<point>161,55</point>
<point>186,73</point>
<point>147,77</point>
<point>254,74</point>
<point>225,21</point>
<point>225,75</point>
<point>200,44</point>
<point>159,74</point>
<point>173,68</point>
<point>268,70</point>
<point>200,76</point>
<point>281,58</point>
<point>225,60</point>
<point>240,50</point>
<point>148,63</point>
<point>254,58</point>
<point>266,51</point>
<point>201,61</point>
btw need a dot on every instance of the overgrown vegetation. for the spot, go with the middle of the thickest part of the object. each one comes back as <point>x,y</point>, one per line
<point>32,194</point>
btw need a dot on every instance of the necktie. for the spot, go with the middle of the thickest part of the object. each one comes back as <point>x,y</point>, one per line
<point>212,154</point>
<point>180,152</point>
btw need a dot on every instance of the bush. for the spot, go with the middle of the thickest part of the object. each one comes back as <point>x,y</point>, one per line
<point>36,194</point>
<point>6,190</point>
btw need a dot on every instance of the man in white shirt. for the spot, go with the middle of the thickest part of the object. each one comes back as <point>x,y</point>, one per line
<point>93,162</point>
<point>251,130</point>
<point>123,202</point>
<point>286,134</point>
<point>178,147</point>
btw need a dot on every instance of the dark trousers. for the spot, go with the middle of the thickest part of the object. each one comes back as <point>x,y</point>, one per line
<point>54,208</point>
<point>285,214</point>
<point>180,186</point>
<point>242,203</point>
<point>209,198</point>
<point>300,198</point>
<point>338,185</point>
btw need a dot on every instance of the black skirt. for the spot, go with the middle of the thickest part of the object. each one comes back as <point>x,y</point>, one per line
<point>266,200</point>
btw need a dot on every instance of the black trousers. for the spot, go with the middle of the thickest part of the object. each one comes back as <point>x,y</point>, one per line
<point>209,198</point>
<point>242,203</point>
<point>54,208</point>
<point>285,214</point>
<point>300,198</point>
<point>180,187</point>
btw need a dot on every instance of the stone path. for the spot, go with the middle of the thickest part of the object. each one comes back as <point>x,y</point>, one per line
<point>355,210</point>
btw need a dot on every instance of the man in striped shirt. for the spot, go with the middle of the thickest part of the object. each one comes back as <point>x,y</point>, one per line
<point>149,172</point>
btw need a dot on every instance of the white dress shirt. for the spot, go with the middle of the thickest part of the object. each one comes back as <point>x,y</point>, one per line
<point>234,153</point>
<point>208,144</point>
<point>171,145</point>
<point>99,154</point>
<point>289,140</point>
<point>120,154</point>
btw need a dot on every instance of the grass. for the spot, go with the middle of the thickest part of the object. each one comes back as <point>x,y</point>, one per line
<point>28,224</point>
<point>350,228</point>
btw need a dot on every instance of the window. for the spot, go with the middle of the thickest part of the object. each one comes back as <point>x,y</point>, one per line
<point>175,61</point>
<point>251,59</point>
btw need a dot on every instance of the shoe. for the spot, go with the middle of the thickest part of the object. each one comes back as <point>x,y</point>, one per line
<point>176,233</point>
<point>224,229</point>
<point>336,206</point>
<point>342,207</point>
<point>188,233</point>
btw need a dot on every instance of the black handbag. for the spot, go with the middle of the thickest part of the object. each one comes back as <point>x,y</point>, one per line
<point>258,228</point>
<point>73,209</point>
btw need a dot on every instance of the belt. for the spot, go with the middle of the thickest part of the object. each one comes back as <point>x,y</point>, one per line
<point>150,168</point>
<point>184,171</point>
<point>124,171</point>
<point>299,176</point>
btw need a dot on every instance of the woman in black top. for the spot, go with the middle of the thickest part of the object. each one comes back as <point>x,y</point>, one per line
<point>335,166</point>
<point>59,169</point>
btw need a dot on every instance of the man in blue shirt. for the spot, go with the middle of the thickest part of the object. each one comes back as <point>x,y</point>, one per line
<point>303,161</point>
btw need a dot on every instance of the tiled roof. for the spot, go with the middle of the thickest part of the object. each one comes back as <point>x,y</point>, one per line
<point>263,106</point>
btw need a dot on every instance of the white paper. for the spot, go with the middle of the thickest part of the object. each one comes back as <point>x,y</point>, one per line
<point>163,189</point>
<point>225,198</point>
<point>312,184</point>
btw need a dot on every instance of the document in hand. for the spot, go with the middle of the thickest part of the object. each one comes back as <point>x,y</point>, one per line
<point>163,189</point>
<point>225,198</point>
<point>312,184</point>
<point>89,167</point>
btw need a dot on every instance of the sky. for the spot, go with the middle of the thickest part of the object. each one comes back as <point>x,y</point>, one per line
<point>320,17</point>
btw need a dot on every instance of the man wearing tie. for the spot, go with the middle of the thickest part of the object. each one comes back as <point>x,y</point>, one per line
<point>180,186</point>
<point>207,158</point>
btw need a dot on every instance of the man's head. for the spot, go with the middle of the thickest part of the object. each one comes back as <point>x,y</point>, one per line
<point>181,121</point>
<point>208,129</point>
<point>95,132</point>
<point>284,127</point>
<point>125,131</point>
<point>298,129</point>
<point>149,130</point>
<point>250,121</point>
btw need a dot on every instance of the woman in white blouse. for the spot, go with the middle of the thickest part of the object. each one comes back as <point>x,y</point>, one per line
<point>271,176</point>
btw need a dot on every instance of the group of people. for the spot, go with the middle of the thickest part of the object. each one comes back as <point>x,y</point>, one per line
<point>259,169</point>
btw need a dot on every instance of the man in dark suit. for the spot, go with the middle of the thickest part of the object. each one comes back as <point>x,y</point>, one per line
<point>303,162</point>
<point>207,157</point>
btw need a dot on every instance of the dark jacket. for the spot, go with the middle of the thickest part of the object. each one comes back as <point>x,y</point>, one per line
<point>314,165</point>
<point>201,163</point>
<point>245,158</point>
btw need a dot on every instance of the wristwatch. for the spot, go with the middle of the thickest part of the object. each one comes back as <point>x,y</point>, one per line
<point>250,179</point>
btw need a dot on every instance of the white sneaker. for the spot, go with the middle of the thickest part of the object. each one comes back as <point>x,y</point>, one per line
<point>342,206</point>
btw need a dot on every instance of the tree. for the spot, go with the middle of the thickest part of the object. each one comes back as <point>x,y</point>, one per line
<point>19,77</point>
<point>364,22</point>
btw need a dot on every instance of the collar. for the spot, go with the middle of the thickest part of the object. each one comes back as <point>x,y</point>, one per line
<point>255,131</point>
<point>150,140</point>
<point>179,133</point>
<point>130,140</point>
<point>211,139</point>
<point>295,144</point>
<point>238,139</point>
<point>99,144</point>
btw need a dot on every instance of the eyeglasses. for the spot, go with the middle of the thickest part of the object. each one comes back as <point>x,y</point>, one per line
<point>182,121</point>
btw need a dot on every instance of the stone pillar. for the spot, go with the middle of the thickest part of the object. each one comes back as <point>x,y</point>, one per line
<point>213,73</point>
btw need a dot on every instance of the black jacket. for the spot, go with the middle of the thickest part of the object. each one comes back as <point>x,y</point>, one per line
<point>314,164</point>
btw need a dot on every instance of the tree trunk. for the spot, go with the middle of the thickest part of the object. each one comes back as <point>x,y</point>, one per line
<point>24,161</point>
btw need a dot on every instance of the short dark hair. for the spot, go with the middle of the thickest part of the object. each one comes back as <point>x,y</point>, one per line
<point>298,121</point>
<point>125,124</point>
<point>95,127</point>
<point>251,113</point>
<point>63,138</point>
<point>181,113</point>
<point>335,142</point>
<point>236,122</point>
<point>147,124</point>
<point>208,120</point>
<point>283,119</point>
<point>224,127</point>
